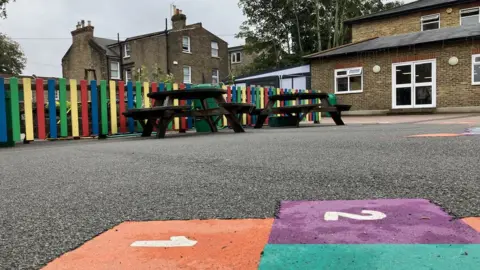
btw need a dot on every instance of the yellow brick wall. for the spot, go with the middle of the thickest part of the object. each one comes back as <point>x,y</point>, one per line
<point>454,88</point>
<point>409,23</point>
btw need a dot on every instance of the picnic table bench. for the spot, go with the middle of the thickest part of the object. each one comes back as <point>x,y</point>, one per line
<point>300,111</point>
<point>164,110</point>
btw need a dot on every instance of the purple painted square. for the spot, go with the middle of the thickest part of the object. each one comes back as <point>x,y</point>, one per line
<point>407,221</point>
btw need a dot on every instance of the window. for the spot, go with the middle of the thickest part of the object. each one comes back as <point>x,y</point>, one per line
<point>186,44</point>
<point>236,57</point>
<point>430,22</point>
<point>128,75</point>
<point>476,69</point>
<point>187,74</point>
<point>215,76</point>
<point>128,50</point>
<point>349,80</point>
<point>115,70</point>
<point>214,49</point>
<point>470,16</point>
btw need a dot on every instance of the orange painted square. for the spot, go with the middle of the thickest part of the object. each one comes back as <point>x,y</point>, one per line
<point>222,244</point>
<point>473,222</point>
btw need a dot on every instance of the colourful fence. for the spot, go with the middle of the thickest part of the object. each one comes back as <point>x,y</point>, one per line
<point>56,109</point>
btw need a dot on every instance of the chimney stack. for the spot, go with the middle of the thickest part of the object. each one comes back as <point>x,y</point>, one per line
<point>83,31</point>
<point>179,20</point>
<point>89,23</point>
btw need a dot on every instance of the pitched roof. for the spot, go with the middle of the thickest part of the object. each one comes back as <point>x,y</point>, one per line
<point>431,36</point>
<point>408,8</point>
<point>236,48</point>
<point>104,43</point>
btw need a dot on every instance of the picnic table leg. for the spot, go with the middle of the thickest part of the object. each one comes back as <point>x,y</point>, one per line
<point>162,125</point>
<point>302,115</point>
<point>264,114</point>
<point>211,124</point>
<point>234,122</point>
<point>337,118</point>
<point>147,127</point>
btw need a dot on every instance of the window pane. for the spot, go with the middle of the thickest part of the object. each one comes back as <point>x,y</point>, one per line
<point>476,73</point>
<point>423,73</point>
<point>469,12</point>
<point>472,20</point>
<point>214,52</point>
<point>430,18</point>
<point>215,45</point>
<point>186,74</point>
<point>355,71</point>
<point>355,83</point>
<point>239,57</point>
<point>477,59</point>
<point>404,96</point>
<point>342,84</point>
<point>431,26</point>
<point>114,66</point>
<point>404,74</point>
<point>186,44</point>
<point>339,73</point>
<point>423,95</point>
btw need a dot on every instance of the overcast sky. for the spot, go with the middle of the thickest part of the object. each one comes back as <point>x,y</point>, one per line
<point>42,27</point>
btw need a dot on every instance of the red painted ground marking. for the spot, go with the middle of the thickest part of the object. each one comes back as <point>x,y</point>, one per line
<point>473,222</point>
<point>221,244</point>
<point>435,135</point>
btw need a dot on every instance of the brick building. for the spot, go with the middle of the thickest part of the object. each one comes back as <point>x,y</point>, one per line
<point>189,52</point>
<point>239,59</point>
<point>422,56</point>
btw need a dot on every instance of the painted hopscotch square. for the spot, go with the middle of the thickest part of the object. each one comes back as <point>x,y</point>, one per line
<point>396,221</point>
<point>368,257</point>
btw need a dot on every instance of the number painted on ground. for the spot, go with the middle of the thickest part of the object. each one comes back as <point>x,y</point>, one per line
<point>175,241</point>
<point>368,215</point>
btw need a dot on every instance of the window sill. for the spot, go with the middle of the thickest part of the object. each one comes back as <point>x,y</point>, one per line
<point>187,52</point>
<point>215,57</point>
<point>236,63</point>
<point>476,83</point>
<point>349,92</point>
<point>127,57</point>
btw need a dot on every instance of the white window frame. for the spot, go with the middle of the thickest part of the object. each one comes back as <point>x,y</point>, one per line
<point>429,17</point>
<point>348,77</point>
<point>466,9</point>
<point>127,51</point>
<point>126,75</point>
<point>189,45</point>
<point>233,57</point>
<point>413,85</point>
<point>118,70</point>
<point>214,49</point>
<point>473,68</point>
<point>189,72</point>
<point>217,76</point>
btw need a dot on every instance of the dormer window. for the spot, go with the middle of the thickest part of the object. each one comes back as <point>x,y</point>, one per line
<point>430,22</point>
<point>470,16</point>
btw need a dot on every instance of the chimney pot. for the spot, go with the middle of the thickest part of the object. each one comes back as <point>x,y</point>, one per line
<point>83,23</point>
<point>89,23</point>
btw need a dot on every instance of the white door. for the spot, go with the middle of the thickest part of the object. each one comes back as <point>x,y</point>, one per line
<point>414,84</point>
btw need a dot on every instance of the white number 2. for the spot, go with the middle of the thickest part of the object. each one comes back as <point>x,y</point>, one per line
<point>371,215</point>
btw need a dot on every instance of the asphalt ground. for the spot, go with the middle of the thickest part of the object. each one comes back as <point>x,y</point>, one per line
<point>54,196</point>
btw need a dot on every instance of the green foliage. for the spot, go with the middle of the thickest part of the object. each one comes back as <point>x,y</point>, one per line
<point>3,9</point>
<point>12,58</point>
<point>156,75</point>
<point>282,31</point>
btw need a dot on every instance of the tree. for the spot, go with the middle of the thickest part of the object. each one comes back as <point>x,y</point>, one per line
<point>282,31</point>
<point>3,9</point>
<point>12,59</point>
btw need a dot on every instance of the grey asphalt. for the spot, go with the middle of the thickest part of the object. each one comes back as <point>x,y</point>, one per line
<point>55,196</point>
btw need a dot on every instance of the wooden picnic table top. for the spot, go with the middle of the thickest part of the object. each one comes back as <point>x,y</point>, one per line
<point>298,96</point>
<point>203,93</point>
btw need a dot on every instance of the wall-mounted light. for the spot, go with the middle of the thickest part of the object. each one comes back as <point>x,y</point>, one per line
<point>453,61</point>
<point>376,69</point>
<point>175,62</point>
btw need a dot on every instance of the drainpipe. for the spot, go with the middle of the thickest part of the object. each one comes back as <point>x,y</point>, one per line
<point>121,57</point>
<point>167,47</point>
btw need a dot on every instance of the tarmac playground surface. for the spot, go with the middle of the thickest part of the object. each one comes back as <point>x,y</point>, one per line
<point>379,193</point>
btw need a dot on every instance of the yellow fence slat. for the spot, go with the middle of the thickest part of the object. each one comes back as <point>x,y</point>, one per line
<point>74,108</point>
<point>244,100</point>
<point>146,89</point>
<point>224,87</point>
<point>113,107</point>
<point>27,98</point>
<point>175,103</point>
<point>262,98</point>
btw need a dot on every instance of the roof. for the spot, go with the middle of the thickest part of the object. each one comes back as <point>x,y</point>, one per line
<point>236,48</point>
<point>278,72</point>
<point>145,35</point>
<point>408,8</point>
<point>438,35</point>
<point>104,43</point>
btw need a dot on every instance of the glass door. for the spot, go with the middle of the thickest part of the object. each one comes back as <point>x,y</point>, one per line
<point>413,85</point>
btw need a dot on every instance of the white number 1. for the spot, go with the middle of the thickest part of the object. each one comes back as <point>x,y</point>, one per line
<point>372,215</point>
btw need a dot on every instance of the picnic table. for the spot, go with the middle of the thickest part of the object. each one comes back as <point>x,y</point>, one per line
<point>302,110</point>
<point>164,110</point>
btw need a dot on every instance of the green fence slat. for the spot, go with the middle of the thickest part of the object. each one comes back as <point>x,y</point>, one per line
<point>138,101</point>
<point>103,106</point>
<point>15,109</point>
<point>63,107</point>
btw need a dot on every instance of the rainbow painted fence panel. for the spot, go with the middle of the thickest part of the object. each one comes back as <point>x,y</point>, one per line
<point>67,108</point>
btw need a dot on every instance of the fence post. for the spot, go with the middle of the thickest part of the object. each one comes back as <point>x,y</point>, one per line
<point>121,101</point>
<point>52,109</point>
<point>95,106</point>
<point>3,113</point>
<point>28,109</point>
<point>103,108</point>
<point>39,91</point>
<point>63,107</point>
<point>131,122</point>
<point>74,109</point>
<point>138,101</point>
<point>113,108</point>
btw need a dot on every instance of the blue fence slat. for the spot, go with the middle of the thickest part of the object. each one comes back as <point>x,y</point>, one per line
<point>95,124</point>
<point>52,109</point>
<point>161,87</point>
<point>130,105</point>
<point>189,103</point>
<point>3,113</point>
<point>234,94</point>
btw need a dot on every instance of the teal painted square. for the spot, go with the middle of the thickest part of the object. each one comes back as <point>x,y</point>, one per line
<point>370,257</point>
